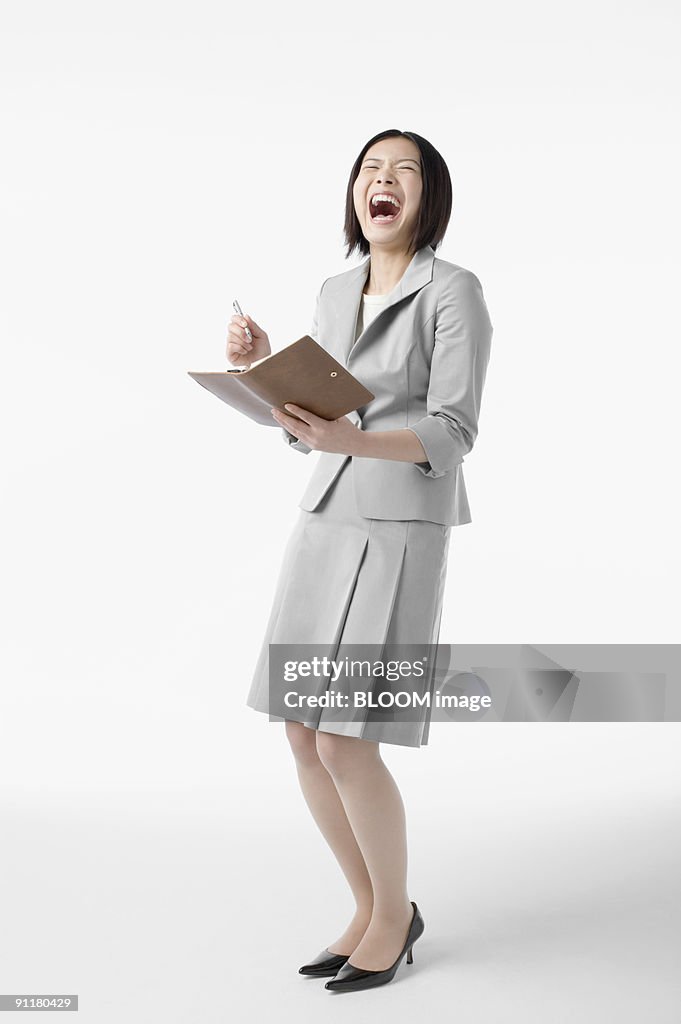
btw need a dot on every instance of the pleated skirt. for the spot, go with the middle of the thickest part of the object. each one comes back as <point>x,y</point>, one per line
<point>348,580</point>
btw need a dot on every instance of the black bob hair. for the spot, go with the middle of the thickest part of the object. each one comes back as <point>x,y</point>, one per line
<point>436,198</point>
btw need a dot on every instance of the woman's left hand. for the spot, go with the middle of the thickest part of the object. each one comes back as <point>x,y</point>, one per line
<point>341,435</point>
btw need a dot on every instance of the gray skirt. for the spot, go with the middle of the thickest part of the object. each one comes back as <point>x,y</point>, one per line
<point>345,579</point>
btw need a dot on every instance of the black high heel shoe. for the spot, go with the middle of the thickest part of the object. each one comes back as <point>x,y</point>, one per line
<point>325,964</point>
<point>351,978</point>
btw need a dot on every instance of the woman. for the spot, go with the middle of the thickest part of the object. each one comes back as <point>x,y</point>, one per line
<point>366,562</point>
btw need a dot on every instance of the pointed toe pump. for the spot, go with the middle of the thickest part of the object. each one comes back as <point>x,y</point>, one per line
<point>324,965</point>
<point>350,978</point>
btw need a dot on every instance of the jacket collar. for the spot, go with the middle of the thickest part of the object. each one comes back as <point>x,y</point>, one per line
<point>348,298</point>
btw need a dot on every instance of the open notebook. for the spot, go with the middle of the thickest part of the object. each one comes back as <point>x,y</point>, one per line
<point>303,373</point>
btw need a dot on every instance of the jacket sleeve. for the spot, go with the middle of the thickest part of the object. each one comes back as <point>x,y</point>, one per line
<point>291,440</point>
<point>463,336</point>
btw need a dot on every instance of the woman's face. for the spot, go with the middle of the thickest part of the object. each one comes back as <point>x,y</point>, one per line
<point>390,167</point>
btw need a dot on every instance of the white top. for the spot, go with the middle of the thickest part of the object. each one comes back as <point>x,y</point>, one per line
<point>370,307</point>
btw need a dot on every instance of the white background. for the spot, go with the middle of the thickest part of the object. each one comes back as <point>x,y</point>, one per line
<point>160,160</point>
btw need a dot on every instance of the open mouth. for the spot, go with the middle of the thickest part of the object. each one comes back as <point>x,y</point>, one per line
<point>383,210</point>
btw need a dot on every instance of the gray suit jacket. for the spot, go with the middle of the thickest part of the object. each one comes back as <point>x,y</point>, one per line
<point>425,358</point>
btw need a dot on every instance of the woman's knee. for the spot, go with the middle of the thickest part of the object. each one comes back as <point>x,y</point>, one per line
<point>343,755</point>
<point>303,743</point>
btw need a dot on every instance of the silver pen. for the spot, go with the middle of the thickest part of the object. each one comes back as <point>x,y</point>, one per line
<point>239,312</point>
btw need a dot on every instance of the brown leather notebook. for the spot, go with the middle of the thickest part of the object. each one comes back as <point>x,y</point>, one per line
<point>303,373</point>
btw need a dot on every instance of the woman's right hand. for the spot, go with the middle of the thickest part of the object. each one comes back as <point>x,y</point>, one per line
<point>241,351</point>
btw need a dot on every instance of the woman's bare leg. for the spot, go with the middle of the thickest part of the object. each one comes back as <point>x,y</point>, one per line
<point>375,812</point>
<point>328,812</point>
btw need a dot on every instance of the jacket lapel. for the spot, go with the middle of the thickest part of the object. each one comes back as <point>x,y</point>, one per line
<point>348,299</point>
